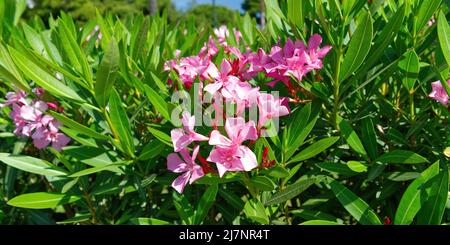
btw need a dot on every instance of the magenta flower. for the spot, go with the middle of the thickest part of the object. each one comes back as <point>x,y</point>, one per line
<point>182,137</point>
<point>222,78</point>
<point>439,94</point>
<point>295,59</point>
<point>229,154</point>
<point>186,165</point>
<point>44,136</point>
<point>271,107</point>
<point>18,97</point>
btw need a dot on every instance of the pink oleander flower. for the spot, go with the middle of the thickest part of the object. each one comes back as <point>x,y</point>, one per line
<point>229,154</point>
<point>43,136</point>
<point>189,68</point>
<point>186,165</point>
<point>295,59</point>
<point>271,107</point>
<point>439,93</point>
<point>18,97</point>
<point>182,137</point>
<point>222,33</point>
<point>222,78</point>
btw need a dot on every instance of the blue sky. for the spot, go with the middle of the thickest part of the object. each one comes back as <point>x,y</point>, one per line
<point>185,4</point>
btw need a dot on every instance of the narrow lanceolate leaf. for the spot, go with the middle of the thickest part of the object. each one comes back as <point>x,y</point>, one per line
<point>158,102</point>
<point>80,128</point>
<point>443,30</point>
<point>107,72</point>
<point>151,150</point>
<point>433,209</point>
<point>409,65</point>
<point>290,191</point>
<point>314,149</point>
<point>357,166</point>
<point>140,40</point>
<point>413,198</point>
<point>255,210</point>
<point>319,222</point>
<point>401,156</point>
<point>263,183</point>
<point>357,207</point>
<point>358,47</point>
<point>148,221</point>
<point>121,123</point>
<point>295,13</point>
<point>426,11</point>
<point>32,165</point>
<point>42,77</point>
<point>351,137</point>
<point>370,138</point>
<point>205,203</point>
<point>40,200</point>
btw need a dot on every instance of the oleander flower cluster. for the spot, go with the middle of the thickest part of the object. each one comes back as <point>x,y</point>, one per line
<point>30,119</point>
<point>229,146</point>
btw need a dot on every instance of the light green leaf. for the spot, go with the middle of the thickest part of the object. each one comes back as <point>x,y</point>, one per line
<point>121,123</point>
<point>148,221</point>
<point>426,10</point>
<point>413,198</point>
<point>319,222</point>
<point>32,165</point>
<point>254,210</point>
<point>314,149</point>
<point>69,123</point>
<point>357,166</point>
<point>41,200</point>
<point>107,72</point>
<point>263,183</point>
<point>351,137</point>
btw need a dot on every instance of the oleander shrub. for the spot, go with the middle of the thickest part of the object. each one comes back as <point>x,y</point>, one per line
<point>334,112</point>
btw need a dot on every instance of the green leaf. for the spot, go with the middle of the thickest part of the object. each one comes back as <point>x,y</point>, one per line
<point>290,191</point>
<point>443,30</point>
<point>426,10</point>
<point>205,203</point>
<point>357,166</point>
<point>413,198</point>
<point>298,131</point>
<point>358,208</point>
<point>351,137</point>
<point>335,167</point>
<point>263,183</point>
<point>401,156</point>
<point>148,221</point>
<point>183,207</point>
<point>433,209</point>
<point>232,199</point>
<point>107,72</point>
<point>161,136</point>
<point>314,149</point>
<point>112,167</point>
<point>141,38</point>
<point>41,77</point>
<point>358,47</point>
<point>32,165</point>
<point>77,219</point>
<point>255,210</point>
<point>319,222</point>
<point>41,200</point>
<point>295,13</point>
<point>409,65</point>
<point>69,123</point>
<point>278,172</point>
<point>158,102</point>
<point>151,150</point>
<point>402,176</point>
<point>120,123</point>
<point>370,138</point>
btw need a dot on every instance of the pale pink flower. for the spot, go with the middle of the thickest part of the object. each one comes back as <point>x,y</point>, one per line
<point>439,93</point>
<point>182,137</point>
<point>222,78</point>
<point>44,136</point>
<point>18,97</point>
<point>229,154</point>
<point>271,107</point>
<point>186,165</point>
